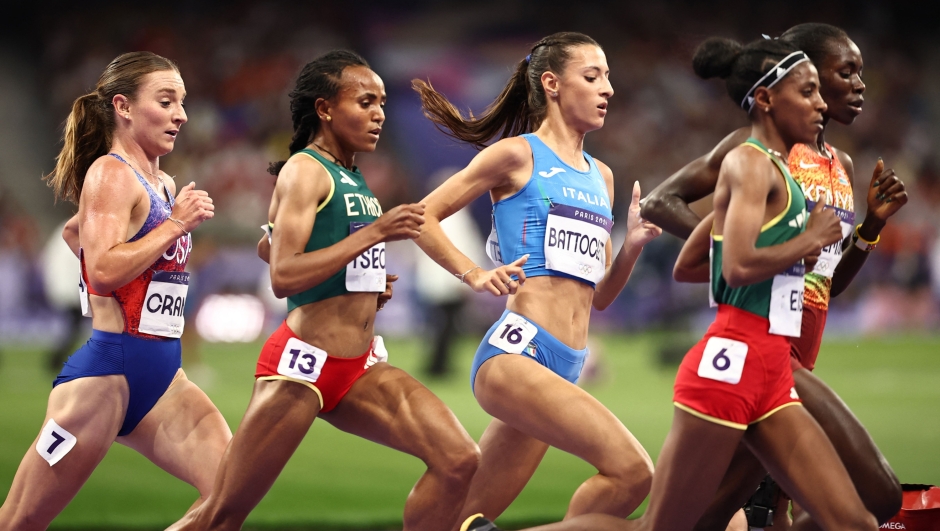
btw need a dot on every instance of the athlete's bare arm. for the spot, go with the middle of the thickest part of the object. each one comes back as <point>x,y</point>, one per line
<point>886,195</point>
<point>109,196</point>
<point>502,168</point>
<point>70,234</point>
<point>639,233</point>
<point>746,181</point>
<point>693,262</point>
<point>668,204</point>
<point>302,185</point>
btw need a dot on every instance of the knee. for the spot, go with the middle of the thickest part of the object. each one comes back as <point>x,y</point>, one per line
<point>633,475</point>
<point>458,464</point>
<point>886,502</point>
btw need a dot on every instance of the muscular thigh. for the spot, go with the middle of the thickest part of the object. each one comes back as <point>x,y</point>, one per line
<point>388,406</point>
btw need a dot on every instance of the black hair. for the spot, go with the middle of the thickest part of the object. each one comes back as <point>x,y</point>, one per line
<point>741,66</point>
<point>320,78</point>
<point>814,39</point>
<point>519,108</point>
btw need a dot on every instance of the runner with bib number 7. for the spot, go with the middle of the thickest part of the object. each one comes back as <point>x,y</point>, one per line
<point>551,225</point>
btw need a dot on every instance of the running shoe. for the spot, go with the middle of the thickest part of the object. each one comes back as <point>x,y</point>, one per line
<point>478,523</point>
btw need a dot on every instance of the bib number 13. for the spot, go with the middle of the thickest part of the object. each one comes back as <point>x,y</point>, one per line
<point>301,361</point>
<point>513,334</point>
<point>723,360</point>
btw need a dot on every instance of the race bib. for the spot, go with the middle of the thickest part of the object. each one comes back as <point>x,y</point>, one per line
<point>83,296</point>
<point>54,442</point>
<point>492,246</point>
<point>831,254</point>
<point>162,314</point>
<point>575,242</point>
<point>786,302</point>
<point>301,361</point>
<point>513,334</point>
<point>367,271</point>
<point>723,360</point>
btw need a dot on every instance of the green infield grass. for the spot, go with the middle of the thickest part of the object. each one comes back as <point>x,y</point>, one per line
<point>337,481</point>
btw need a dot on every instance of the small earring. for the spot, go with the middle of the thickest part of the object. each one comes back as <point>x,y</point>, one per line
<point>553,94</point>
<point>329,118</point>
<point>766,109</point>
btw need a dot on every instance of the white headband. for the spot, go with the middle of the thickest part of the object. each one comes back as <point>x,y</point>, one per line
<point>776,73</point>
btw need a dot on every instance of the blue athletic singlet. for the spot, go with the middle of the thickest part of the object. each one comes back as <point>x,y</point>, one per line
<point>561,218</point>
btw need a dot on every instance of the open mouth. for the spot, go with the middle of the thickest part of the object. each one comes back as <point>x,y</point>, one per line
<point>602,106</point>
<point>172,132</point>
<point>856,106</point>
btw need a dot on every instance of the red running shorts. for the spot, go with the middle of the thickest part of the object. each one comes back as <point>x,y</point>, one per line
<point>285,357</point>
<point>738,374</point>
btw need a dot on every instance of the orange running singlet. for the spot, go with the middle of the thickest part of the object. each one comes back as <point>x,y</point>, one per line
<point>821,176</point>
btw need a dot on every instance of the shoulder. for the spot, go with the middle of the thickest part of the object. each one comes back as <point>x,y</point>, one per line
<point>605,172</point>
<point>109,173</point>
<point>846,162</point>
<point>303,173</point>
<point>716,156</point>
<point>513,152</point>
<point>743,163</point>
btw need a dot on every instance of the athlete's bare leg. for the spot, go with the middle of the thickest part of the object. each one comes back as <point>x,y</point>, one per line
<point>278,417</point>
<point>183,434</point>
<point>388,406</point>
<point>92,409</point>
<point>871,474</point>
<point>801,459</point>
<point>540,406</point>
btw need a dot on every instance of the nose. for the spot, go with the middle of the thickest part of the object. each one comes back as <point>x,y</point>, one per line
<point>607,90</point>
<point>181,117</point>
<point>379,116</point>
<point>858,86</point>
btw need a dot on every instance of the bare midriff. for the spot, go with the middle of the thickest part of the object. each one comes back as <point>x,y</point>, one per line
<point>342,326</point>
<point>561,306</point>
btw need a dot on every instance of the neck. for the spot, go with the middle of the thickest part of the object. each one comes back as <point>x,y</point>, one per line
<point>137,155</point>
<point>764,130</point>
<point>326,141</point>
<point>820,146</point>
<point>566,142</point>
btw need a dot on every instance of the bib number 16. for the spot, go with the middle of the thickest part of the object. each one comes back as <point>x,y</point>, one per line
<point>513,334</point>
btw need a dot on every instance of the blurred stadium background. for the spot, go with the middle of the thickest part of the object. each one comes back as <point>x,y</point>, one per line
<point>239,60</point>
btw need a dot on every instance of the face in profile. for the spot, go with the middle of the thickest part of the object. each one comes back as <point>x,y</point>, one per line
<point>584,87</point>
<point>840,77</point>
<point>358,110</point>
<point>157,112</point>
<point>796,105</point>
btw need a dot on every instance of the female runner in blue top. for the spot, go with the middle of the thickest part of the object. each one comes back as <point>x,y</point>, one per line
<point>551,224</point>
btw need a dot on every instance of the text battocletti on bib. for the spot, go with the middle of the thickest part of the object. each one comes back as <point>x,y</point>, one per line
<point>162,312</point>
<point>367,271</point>
<point>786,301</point>
<point>831,254</point>
<point>575,242</point>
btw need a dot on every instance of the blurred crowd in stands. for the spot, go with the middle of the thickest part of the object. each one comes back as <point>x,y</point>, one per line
<point>240,59</point>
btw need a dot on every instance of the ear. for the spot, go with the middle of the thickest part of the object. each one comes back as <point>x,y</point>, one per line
<point>324,108</point>
<point>122,105</point>
<point>763,99</point>
<point>550,83</point>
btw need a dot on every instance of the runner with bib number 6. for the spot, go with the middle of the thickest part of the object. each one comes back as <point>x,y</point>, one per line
<point>551,225</point>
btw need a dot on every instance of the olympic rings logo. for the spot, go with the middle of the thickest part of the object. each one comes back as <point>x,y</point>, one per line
<point>585,269</point>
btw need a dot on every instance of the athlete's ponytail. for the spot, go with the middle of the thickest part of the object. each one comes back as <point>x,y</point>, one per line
<point>319,79</point>
<point>519,108</point>
<point>741,66</point>
<point>90,125</point>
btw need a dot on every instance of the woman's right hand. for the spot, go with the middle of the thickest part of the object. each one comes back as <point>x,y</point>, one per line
<point>498,281</point>
<point>824,226</point>
<point>192,207</point>
<point>400,223</point>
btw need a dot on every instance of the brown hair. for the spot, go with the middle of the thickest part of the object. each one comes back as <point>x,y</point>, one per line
<point>519,108</point>
<point>89,127</point>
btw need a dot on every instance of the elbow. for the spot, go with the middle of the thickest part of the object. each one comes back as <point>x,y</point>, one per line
<point>600,305</point>
<point>651,206</point>
<point>281,285</point>
<point>101,281</point>
<point>735,275</point>
<point>680,273</point>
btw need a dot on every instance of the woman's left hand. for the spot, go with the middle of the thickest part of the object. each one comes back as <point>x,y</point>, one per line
<point>639,231</point>
<point>385,297</point>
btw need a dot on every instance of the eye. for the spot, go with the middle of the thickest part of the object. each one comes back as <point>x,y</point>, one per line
<point>165,104</point>
<point>590,79</point>
<point>845,75</point>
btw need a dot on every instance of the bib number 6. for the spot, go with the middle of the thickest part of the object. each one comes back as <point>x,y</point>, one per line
<point>301,361</point>
<point>723,360</point>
